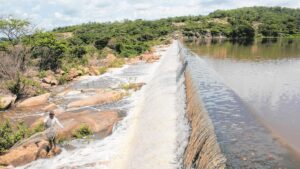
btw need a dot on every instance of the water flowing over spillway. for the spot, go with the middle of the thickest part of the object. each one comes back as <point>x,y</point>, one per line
<point>242,139</point>
<point>153,134</point>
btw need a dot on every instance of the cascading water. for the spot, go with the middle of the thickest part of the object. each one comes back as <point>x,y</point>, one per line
<point>153,134</point>
<point>158,134</point>
<point>244,142</point>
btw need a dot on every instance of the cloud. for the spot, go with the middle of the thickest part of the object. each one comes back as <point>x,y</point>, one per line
<point>53,13</point>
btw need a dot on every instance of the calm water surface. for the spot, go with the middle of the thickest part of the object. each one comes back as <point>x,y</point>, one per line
<point>260,78</point>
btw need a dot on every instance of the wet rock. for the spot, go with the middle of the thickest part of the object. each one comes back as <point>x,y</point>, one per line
<point>27,153</point>
<point>68,92</point>
<point>106,97</point>
<point>50,107</point>
<point>34,101</point>
<point>98,121</point>
<point>50,80</point>
<point>6,101</point>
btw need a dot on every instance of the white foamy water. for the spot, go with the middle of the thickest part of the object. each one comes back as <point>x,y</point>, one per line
<point>152,135</point>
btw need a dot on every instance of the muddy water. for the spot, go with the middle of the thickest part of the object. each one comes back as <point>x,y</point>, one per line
<point>246,89</point>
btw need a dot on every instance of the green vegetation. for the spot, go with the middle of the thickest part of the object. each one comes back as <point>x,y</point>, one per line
<point>24,86</point>
<point>102,70</point>
<point>10,135</point>
<point>244,23</point>
<point>82,132</point>
<point>84,45</point>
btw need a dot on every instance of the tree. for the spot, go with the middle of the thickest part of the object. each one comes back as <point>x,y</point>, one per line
<point>13,54</point>
<point>46,46</point>
<point>13,29</point>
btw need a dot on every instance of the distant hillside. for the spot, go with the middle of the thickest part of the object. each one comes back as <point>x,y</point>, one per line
<point>130,38</point>
<point>92,44</point>
<point>244,22</point>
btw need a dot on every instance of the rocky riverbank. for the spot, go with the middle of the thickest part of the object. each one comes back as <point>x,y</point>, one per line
<point>91,106</point>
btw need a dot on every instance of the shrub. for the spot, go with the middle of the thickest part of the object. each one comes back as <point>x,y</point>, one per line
<point>128,86</point>
<point>63,79</point>
<point>42,74</point>
<point>78,51</point>
<point>117,63</point>
<point>101,43</point>
<point>102,70</point>
<point>24,86</point>
<point>7,138</point>
<point>82,132</point>
<point>10,135</point>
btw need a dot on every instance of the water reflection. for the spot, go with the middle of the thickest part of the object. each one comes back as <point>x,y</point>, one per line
<point>257,49</point>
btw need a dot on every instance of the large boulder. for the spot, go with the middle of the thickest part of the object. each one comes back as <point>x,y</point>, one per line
<point>100,98</point>
<point>50,79</point>
<point>28,152</point>
<point>6,101</point>
<point>99,122</point>
<point>34,101</point>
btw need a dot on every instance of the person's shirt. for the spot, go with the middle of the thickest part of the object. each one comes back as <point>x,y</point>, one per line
<point>50,123</point>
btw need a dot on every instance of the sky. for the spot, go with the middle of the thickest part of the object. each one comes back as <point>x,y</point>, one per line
<point>49,14</point>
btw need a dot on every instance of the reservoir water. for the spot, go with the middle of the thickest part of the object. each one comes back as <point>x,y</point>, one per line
<point>251,91</point>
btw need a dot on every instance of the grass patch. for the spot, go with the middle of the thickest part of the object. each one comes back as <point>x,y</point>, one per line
<point>117,63</point>
<point>82,132</point>
<point>128,86</point>
<point>102,70</point>
<point>42,74</point>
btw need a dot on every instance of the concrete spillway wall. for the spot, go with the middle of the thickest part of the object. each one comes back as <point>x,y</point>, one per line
<point>203,150</point>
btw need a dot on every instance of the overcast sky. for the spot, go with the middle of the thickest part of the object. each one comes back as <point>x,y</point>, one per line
<point>53,13</point>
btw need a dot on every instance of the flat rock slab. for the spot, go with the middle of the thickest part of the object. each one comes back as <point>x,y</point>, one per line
<point>34,101</point>
<point>101,98</point>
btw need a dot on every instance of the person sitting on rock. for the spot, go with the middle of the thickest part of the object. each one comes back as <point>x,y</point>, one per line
<point>50,124</point>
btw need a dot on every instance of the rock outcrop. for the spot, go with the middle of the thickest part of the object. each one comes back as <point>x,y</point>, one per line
<point>73,73</point>
<point>6,101</point>
<point>101,98</point>
<point>28,152</point>
<point>99,122</point>
<point>34,101</point>
<point>51,80</point>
